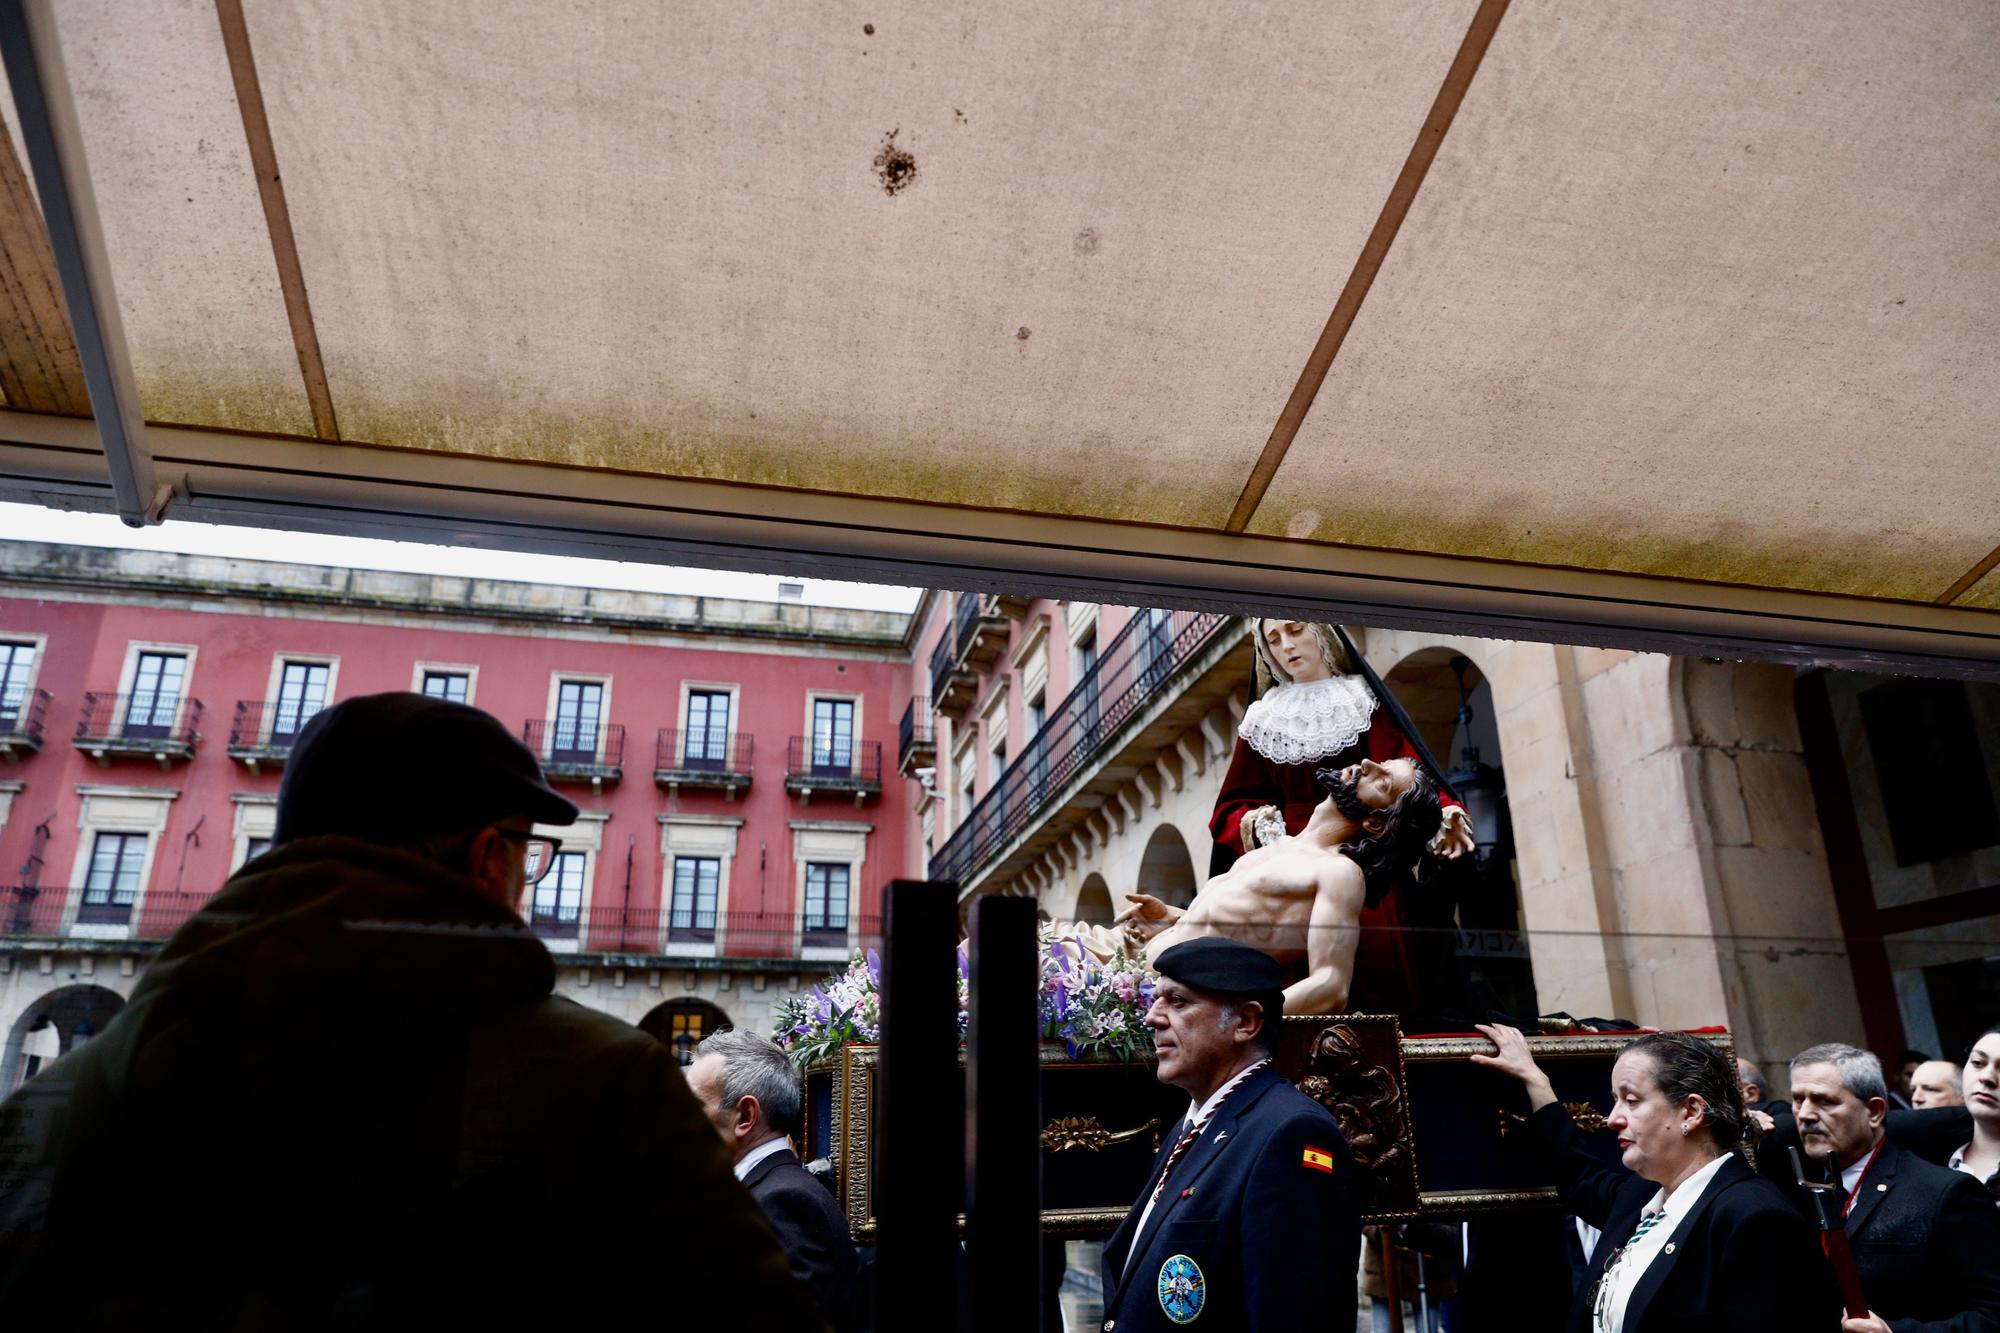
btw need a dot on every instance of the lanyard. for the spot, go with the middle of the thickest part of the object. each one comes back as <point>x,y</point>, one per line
<point>1862,1179</point>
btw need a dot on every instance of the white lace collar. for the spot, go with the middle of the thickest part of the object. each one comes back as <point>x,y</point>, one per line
<point>1298,722</point>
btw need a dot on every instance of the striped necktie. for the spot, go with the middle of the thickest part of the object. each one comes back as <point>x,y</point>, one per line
<point>1647,1222</point>
<point>1186,1141</point>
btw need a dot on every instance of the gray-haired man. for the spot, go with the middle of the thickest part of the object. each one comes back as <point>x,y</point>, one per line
<point>1925,1239</point>
<point>751,1093</point>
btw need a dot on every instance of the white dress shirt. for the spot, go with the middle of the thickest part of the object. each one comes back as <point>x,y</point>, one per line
<point>758,1154</point>
<point>1630,1263</point>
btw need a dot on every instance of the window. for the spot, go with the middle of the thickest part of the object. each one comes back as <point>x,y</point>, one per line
<point>999,769</point>
<point>833,736</point>
<point>255,847</point>
<point>455,686</point>
<point>17,664</point>
<point>301,693</point>
<point>682,1024</point>
<point>558,900</point>
<point>579,711</point>
<point>1036,718</point>
<point>826,901</point>
<point>691,917</point>
<point>112,884</point>
<point>1086,684</point>
<point>156,694</point>
<point>706,743</point>
<point>1155,642</point>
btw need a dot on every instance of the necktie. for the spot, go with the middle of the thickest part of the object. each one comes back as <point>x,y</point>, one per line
<point>1186,1141</point>
<point>1646,1223</point>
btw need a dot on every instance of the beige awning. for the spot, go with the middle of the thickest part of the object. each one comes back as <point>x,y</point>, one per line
<point>1628,322</point>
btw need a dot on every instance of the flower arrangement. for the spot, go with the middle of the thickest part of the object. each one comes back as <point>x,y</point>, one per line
<point>1090,1007</point>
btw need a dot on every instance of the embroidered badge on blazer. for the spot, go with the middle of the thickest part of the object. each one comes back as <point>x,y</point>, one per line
<point>1319,1159</point>
<point>1182,1293</point>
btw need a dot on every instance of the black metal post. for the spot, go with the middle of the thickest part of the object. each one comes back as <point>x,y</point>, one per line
<point>918,1122</point>
<point>1003,1155</point>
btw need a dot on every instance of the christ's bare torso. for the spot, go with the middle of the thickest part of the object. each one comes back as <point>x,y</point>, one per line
<point>1296,900</point>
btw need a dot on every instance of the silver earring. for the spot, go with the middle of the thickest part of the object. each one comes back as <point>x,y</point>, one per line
<point>1685,1129</point>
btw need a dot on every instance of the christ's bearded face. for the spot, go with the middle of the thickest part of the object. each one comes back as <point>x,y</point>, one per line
<point>1365,790</point>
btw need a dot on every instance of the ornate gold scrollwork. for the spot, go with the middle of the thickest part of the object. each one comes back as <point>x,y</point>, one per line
<point>1583,1115</point>
<point>1083,1131</point>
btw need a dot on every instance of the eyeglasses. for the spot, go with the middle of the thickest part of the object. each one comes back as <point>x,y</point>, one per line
<point>541,852</point>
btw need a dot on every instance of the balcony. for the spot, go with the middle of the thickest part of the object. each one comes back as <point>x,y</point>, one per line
<point>979,628</point>
<point>21,724</point>
<point>812,769</point>
<point>1134,690</point>
<point>40,912</point>
<point>916,738</point>
<point>261,734</point>
<point>160,727</point>
<point>578,751</point>
<point>953,688</point>
<point>690,933</point>
<point>704,761</point>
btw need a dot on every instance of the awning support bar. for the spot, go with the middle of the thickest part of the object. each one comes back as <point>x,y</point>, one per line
<point>54,140</point>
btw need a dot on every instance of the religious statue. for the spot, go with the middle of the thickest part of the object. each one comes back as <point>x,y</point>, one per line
<point>1300,898</point>
<point>1319,707</point>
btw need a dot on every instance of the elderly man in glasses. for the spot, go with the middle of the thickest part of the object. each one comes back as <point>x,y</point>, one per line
<point>344,1095</point>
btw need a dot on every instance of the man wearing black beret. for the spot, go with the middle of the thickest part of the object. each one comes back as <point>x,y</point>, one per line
<point>1249,1219</point>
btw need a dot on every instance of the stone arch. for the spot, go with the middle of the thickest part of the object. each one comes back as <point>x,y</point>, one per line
<point>54,1025</point>
<point>1492,962</point>
<point>679,1025</point>
<point>1427,688</point>
<point>1093,901</point>
<point>1166,870</point>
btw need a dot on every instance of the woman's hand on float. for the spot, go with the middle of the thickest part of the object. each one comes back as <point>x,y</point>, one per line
<point>1513,1059</point>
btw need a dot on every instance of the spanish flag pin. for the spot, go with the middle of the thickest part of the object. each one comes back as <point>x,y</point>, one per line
<point>1319,1159</point>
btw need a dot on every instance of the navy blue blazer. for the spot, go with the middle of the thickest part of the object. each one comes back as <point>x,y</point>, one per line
<point>1267,1239</point>
<point>1926,1242</point>
<point>1741,1261</point>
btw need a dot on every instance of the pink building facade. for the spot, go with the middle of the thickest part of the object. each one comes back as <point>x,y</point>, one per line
<point>736,763</point>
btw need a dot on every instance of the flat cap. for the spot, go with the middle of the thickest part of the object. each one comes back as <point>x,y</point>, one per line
<point>400,766</point>
<point>1224,966</point>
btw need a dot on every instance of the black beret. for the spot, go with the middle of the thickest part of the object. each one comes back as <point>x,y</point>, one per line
<point>393,767</point>
<point>1224,966</point>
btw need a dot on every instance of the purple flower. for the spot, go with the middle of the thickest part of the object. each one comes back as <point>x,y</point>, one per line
<point>874,967</point>
<point>964,967</point>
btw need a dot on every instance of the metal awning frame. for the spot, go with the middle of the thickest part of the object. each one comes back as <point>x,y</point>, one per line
<point>412,495</point>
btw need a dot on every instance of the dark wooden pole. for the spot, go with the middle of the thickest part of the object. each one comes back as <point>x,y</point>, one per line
<point>918,1121</point>
<point>1003,1153</point>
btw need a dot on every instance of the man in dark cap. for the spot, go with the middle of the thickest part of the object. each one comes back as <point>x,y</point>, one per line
<point>1249,1219</point>
<point>344,1094</point>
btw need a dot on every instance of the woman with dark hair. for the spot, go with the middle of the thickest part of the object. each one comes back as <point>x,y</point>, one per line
<point>1694,1239</point>
<point>1980,1158</point>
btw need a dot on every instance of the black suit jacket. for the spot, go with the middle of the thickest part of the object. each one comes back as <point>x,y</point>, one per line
<point>1926,1241</point>
<point>1742,1260</point>
<point>810,1226</point>
<point>1275,1240</point>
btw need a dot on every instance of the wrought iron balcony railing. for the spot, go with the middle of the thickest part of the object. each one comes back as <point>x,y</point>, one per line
<point>1130,672</point>
<point>54,912</point>
<point>814,765</point>
<point>916,737</point>
<point>577,750</point>
<point>142,724</point>
<point>23,716</point>
<point>262,733</point>
<point>704,757</point>
<point>692,932</point>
